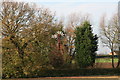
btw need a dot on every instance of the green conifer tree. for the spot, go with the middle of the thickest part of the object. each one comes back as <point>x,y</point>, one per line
<point>85,45</point>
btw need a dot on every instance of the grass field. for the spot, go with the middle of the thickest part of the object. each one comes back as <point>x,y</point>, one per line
<point>71,79</point>
<point>83,79</point>
<point>68,79</point>
<point>104,60</point>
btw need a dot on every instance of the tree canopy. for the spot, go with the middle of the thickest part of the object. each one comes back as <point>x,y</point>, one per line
<point>85,45</point>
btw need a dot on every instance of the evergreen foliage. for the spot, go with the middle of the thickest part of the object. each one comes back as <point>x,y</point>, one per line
<point>85,45</point>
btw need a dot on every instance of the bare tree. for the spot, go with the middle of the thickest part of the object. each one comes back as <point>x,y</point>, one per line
<point>109,34</point>
<point>73,20</point>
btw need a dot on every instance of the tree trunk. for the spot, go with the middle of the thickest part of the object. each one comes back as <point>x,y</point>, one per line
<point>113,59</point>
<point>118,59</point>
<point>118,63</point>
<point>21,55</point>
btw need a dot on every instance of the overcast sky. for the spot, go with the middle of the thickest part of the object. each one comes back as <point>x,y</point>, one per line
<point>95,8</point>
<point>69,0</point>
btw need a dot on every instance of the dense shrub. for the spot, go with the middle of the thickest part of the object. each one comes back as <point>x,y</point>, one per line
<point>75,72</point>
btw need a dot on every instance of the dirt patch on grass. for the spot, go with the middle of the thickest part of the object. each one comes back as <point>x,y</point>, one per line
<point>104,65</point>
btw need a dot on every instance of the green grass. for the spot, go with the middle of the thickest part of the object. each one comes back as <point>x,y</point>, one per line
<point>71,79</point>
<point>104,60</point>
<point>82,79</point>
